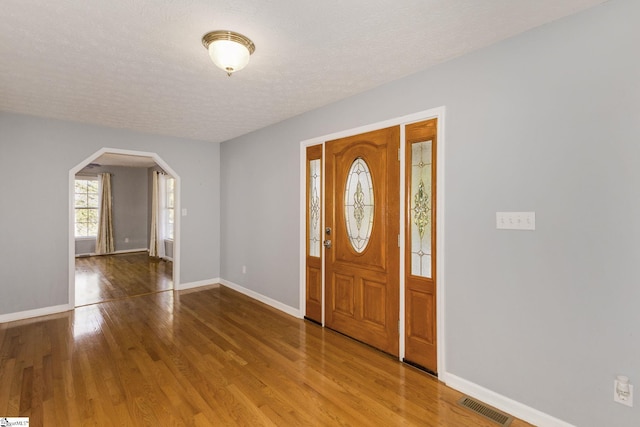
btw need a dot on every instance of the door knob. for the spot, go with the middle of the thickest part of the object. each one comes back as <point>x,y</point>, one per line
<point>327,244</point>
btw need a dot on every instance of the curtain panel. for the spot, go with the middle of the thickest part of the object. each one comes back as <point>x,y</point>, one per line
<point>104,241</point>
<point>158,201</point>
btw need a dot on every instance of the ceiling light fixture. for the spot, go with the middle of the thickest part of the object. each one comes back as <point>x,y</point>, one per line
<point>228,50</point>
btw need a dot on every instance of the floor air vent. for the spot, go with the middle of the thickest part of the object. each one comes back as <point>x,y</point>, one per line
<point>485,411</point>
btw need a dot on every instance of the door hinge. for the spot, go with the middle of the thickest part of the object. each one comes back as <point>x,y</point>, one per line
<point>398,325</point>
<point>398,154</point>
<point>398,240</point>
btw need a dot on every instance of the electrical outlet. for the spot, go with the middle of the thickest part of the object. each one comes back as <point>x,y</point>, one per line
<point>623,391</point>
<point>244,269</point>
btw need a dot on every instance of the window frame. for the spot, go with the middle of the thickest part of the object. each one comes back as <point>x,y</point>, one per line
<point>169,226</point>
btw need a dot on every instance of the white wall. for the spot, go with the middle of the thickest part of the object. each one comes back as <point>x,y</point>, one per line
<point>548,122</point>
<point>36,276</point>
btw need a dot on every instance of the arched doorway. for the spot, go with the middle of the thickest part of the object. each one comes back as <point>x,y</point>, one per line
<point>132,159</point>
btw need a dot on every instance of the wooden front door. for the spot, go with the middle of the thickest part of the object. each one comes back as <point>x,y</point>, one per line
<point>362,223</point>
<point>420,250</point>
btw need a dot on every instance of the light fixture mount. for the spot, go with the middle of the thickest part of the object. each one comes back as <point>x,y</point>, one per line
<point>229,50</point>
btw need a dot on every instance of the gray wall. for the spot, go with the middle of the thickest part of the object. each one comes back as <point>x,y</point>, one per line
<point>36,276</point>
<point>548,121</point>
<point>85,246</point>
<point>130,205</point>
<point>130,208</point>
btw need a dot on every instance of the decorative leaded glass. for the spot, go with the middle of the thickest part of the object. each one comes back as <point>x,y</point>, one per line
<point>421,212</point>
<point>314,208</point>
<point>358,204</point>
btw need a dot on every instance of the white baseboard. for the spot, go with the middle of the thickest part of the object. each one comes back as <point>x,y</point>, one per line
<point>125,251</point>
<point>503,403</point>
<point>191,285</point>
<point>45,311</point>
<point>264,299</point>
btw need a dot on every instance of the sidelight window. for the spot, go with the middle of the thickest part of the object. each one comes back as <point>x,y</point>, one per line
<point>314,208</point>
<point>421,208</point>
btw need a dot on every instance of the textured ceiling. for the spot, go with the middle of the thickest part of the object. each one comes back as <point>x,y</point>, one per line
<point>140,64</point>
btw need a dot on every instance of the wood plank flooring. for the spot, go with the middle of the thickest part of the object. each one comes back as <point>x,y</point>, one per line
<point>108,277</point>
<point>211,357</point>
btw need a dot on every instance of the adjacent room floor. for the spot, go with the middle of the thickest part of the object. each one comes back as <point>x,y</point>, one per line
<point>109,277</point>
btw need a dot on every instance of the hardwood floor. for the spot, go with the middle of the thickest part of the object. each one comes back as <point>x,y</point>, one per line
<point>108,277</point>
<point>204,358</point>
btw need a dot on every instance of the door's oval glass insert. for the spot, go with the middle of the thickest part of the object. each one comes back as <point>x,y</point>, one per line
<point>421,208</point>
<point>358,204</point>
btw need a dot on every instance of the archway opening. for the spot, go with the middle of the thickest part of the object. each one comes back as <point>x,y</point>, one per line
<point>131,177</point>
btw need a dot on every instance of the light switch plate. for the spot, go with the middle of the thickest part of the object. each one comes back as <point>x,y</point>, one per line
<point>516,220</point>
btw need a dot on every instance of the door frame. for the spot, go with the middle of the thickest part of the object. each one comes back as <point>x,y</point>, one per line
<point>72,240</point>
<point>402,121</point>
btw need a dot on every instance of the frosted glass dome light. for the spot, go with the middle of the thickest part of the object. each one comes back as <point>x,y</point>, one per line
<point>230,51</point>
